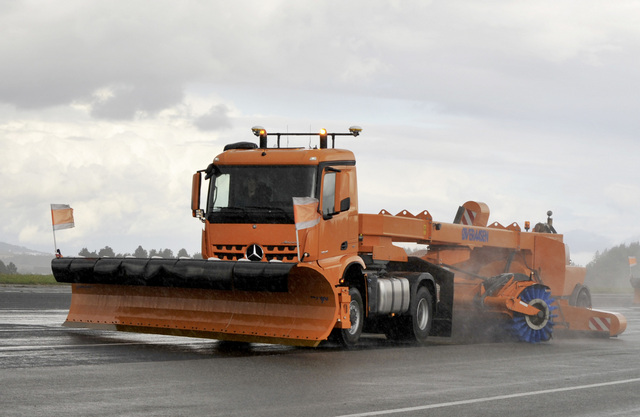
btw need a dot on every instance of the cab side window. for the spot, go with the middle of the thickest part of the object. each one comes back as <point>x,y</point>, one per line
<point>329,193</point>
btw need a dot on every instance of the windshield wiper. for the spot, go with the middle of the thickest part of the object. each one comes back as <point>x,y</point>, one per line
<point>231,208</point>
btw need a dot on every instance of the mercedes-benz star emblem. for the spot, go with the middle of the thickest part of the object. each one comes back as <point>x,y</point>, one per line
<point>254,253</point>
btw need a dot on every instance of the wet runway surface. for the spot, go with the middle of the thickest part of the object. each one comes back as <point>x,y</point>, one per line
<point>47,369</point>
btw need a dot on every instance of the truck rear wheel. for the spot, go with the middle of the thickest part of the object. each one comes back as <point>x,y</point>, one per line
<point>416,326</point>
<point>421,315</point>
<point>349,337</point>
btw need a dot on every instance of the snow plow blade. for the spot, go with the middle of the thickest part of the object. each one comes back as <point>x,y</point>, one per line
<point>264,302</point>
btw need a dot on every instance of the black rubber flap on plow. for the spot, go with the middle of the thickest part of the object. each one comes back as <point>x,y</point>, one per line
<point>182,273</point>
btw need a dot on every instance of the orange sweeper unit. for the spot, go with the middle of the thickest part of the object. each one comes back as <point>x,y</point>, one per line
<point>289,259</point>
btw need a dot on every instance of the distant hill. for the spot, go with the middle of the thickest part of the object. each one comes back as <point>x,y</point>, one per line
<point>6,248</point>
<point>28,261</point>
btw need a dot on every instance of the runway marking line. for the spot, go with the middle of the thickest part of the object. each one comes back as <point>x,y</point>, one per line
<point>497,397</point>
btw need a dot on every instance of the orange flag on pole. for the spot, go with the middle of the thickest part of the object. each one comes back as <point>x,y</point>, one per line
<point>305,215</point>
<point>61,216</point>
<point>632,261</point>
<point>305,212</point>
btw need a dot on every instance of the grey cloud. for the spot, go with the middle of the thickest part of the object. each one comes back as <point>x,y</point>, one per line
<point>465,59</point>
<point>216,119</point>
<point>126,101</point>
<point>59,54</point>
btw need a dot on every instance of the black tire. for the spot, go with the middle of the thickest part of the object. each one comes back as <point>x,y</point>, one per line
<point>580,297</point>
<point>416,326</point>
<point>584,298</point>
<point>349,337</point>
<point>421,315</point>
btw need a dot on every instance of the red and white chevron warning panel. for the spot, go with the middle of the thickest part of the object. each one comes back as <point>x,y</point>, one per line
<point>468,217</point>
<point>599,324</point>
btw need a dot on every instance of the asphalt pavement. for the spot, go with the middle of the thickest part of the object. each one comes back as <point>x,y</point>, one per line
<point>47,369</point>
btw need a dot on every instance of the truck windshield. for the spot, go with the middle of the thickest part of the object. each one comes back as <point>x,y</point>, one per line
<point>258,194</point>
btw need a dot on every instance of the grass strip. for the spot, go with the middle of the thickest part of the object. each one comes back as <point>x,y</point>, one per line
<point>28,279</point>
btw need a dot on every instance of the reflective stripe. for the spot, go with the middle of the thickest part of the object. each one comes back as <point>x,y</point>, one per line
<point>599,324</point>
<point>468,217</point>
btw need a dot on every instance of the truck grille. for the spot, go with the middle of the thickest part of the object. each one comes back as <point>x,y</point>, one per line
<point>284,253</point>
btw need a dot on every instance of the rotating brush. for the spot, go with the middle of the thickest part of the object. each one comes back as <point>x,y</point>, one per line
<point>533,329</point>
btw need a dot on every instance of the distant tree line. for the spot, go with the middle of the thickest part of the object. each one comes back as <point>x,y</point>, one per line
<point>10,268</point>
<point>140,252</point>
<point>611,269</point>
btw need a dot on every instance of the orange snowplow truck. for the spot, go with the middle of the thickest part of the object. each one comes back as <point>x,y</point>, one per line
<point>288,259</point>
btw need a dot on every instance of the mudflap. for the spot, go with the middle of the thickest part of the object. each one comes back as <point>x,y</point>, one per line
<point>240,301</point>
<point>580,321</point>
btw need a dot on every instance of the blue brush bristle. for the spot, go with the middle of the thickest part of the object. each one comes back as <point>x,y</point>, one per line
<point>519,327</point>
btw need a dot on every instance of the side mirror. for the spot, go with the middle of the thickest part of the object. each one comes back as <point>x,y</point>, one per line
<point>345,204</point>
<point>195,196</point>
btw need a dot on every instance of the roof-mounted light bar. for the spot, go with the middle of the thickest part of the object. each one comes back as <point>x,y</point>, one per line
<point>262,134</point>
<point>355,130</point>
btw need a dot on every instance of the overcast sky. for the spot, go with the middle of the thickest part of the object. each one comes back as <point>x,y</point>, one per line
<point>526,106</point>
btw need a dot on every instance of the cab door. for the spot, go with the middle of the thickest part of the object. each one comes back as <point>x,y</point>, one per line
<point>337,234</point>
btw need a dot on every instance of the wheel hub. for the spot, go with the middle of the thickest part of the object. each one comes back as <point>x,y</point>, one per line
<point>422,314</point>
<point>540,320</point>
<point>536,327</point>
<point>354,313</point>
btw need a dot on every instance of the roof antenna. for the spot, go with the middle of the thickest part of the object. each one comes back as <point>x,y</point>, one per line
<point>550,221</point>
